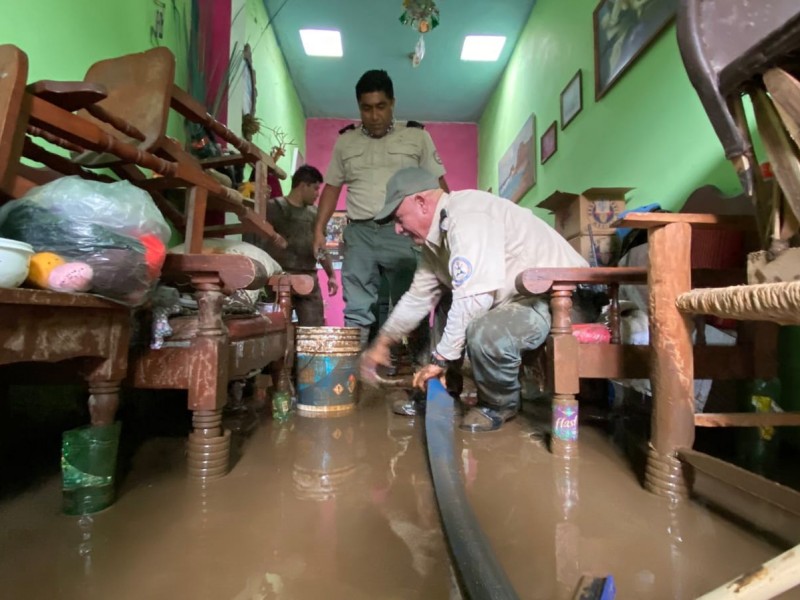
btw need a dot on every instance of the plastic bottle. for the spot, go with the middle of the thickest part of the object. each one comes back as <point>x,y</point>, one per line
<point>759,445</point>
<point>282,400</point>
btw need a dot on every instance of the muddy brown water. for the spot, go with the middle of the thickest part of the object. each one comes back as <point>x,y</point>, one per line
<point>343,508</point>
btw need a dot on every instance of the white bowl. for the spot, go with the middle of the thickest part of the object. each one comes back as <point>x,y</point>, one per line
<point>15,259</point>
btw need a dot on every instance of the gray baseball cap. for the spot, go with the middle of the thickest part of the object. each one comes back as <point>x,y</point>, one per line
<point>405,182</point>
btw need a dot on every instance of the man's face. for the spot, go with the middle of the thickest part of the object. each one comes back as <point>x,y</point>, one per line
<point>310,193</point>
<point>377,112</point>
<point>412,219</point>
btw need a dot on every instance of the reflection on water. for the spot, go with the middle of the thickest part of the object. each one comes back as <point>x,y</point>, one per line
<point>325,455</point>
<point>567,531</point>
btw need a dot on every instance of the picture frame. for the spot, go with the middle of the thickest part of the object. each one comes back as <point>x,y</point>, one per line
<point>623,30</point>
<point>517,167</point>
<point>571,100</point>
<point>298,160</point>
<point>334,238</point>
<point>548,144</point>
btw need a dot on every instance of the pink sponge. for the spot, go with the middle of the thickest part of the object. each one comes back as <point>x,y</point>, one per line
<point>71,277</point>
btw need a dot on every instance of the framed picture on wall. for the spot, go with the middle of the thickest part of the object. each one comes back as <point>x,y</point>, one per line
<point>334,240</point>
<point>623,29</point>
<point>517,167</point>
<point>549,142</point>
<point>298,160</point>
<point>571,99</point>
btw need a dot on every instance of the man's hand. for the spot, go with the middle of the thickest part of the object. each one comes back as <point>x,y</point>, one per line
<point>378,354</point>
<point>427,372</point>
<point>333,286</point>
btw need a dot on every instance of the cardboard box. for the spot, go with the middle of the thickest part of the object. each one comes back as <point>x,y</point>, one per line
<point>576,213</point>
<point>605,249</point>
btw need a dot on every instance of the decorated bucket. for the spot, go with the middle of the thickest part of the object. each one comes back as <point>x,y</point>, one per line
<point>327,363</point>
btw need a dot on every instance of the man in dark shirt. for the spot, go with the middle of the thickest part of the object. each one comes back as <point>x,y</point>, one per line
<point>293,217</point>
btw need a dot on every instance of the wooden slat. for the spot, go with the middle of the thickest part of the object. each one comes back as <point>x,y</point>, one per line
<point>538,281</point>
<point>234,271</point>
<point>611,361</point>
<point>767,505</point>
<point>701,221</point>
<point>784,419</point>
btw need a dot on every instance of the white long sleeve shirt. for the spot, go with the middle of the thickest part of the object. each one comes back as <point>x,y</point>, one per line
<point>477,245</point>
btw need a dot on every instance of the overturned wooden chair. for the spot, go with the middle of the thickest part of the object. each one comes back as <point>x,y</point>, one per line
<point>210,350</point>
<point>129,98</point>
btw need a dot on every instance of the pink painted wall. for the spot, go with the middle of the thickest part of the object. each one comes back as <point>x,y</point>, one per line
<point>215,26</point>
<point>457,144</point>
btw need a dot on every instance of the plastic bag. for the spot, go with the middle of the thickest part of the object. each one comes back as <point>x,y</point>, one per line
<point>114,231</point>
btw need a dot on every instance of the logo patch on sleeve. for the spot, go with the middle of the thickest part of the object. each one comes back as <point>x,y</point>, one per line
<point>460,270</point>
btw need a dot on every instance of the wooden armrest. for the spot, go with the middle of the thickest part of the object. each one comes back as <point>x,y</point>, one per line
<point>532,282</point>
<point>300,284</point>
<point>69,95</point>
<point>231,271</point>
<point>701,221</point>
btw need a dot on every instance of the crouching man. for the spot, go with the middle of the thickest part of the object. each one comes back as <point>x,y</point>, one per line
<point>475,244</point>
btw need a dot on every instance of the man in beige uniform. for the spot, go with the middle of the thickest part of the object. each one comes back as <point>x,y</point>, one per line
<point>364,158</point>
<point>475,244</point>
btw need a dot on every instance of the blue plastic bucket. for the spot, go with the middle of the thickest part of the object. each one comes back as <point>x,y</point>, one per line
<point>327,363</point>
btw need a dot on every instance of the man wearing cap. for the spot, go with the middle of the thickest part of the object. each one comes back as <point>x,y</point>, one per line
<point>475,244</point>
<point>363,159</point>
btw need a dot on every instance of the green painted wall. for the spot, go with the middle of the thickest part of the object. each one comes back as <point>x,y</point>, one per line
<point>649,131</point>
<point>277,104</point>
<point>62,39</point>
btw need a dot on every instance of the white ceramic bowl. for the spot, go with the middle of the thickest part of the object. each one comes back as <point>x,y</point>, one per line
<point>15,258</point>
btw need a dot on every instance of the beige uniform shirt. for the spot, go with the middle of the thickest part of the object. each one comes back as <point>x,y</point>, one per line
<point>477,245</point>
<point>365,164</point>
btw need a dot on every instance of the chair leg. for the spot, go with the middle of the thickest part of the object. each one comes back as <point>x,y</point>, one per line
<point>103,401</point>
<point>562,351</point>
<point>209,446</point>
<point>672,367</point>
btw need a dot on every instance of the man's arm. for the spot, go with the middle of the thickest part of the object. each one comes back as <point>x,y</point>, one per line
<point>327,265</point>
<point>327,205</point>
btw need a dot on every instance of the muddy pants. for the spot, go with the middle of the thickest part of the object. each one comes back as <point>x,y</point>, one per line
<point>310,309</point>
<point>373,251</point>
<point>495,343</point>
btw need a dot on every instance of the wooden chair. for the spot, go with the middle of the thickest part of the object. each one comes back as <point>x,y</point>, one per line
<point>72,333</point>
<point>129,99</point>
<point>217,349</point>
<point>671,361</point>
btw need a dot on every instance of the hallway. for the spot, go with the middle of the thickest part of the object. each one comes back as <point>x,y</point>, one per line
<point>343,509</point>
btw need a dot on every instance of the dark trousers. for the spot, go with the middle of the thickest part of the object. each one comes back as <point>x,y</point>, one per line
<point>310,309</point>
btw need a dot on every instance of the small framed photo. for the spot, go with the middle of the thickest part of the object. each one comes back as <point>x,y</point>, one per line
<point>571,99</point>
<point>549,142</point>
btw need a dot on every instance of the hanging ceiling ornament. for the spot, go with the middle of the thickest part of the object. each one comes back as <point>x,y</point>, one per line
<point>419,52</point>
<point>422,15</point>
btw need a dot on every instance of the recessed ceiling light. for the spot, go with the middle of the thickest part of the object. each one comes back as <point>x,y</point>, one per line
<point>482,47</point>
<point>321,42</point>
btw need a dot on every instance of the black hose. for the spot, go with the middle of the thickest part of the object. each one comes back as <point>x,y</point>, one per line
<point>480,575</point>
